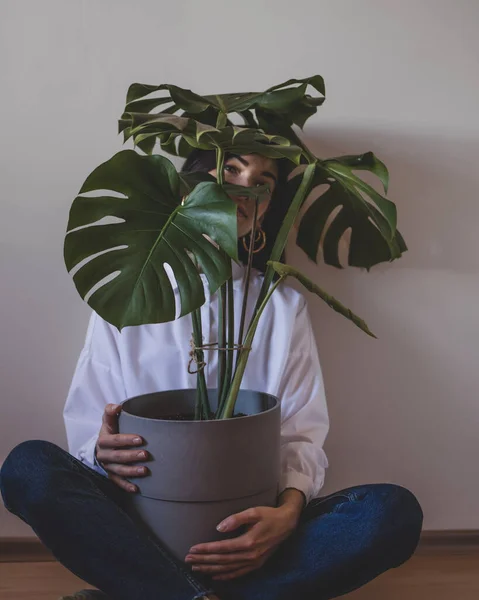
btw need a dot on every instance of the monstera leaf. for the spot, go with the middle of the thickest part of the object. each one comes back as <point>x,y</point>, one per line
<point>288,98</point>
<point>287,103</point>
<point>144,128</point>
<point>350,203</point>
<point>286,271</point>
<point>152,227</point>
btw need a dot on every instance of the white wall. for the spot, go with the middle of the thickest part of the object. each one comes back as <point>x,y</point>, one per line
<point>401,81</point>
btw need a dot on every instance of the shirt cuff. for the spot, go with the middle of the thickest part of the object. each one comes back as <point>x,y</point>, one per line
<point>97,466</point>
<point>298,481</point>
<point>87,455</point>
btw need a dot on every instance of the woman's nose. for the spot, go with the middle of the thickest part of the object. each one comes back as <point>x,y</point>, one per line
<point>246,179</point>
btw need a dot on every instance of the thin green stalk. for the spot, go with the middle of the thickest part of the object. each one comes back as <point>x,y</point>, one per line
<point>222,119</point>
<point>222,353</point>
<point>228,409</point>
<point>220,161</point>
<point>198,403</point>
<point>282,237</point>
<point>231,332</point>
<point>221,339</point>
<point>229,345</point>
<point>247,280</point>
<point>266,291</point>
<point>202,408</point>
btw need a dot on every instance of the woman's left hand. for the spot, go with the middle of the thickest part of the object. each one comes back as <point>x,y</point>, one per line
<point>232,558</point>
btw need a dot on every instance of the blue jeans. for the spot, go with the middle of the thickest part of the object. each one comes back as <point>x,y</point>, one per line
<point>342,541</point>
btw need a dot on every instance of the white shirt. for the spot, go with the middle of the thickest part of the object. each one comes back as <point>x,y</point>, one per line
<point>115,366</point>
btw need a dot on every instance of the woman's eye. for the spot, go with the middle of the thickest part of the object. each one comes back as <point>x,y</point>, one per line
<point>230,169</point>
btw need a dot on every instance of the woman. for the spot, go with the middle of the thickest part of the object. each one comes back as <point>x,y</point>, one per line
<point>307,547</point>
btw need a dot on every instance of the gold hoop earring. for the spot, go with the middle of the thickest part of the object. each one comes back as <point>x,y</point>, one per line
<point>260,235</point>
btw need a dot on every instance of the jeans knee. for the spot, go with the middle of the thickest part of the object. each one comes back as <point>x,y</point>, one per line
<point>24,474</point>
<point>405,516</point>
<point>406,503</point>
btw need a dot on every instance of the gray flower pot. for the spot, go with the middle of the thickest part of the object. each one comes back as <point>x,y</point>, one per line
<point>202,471</point>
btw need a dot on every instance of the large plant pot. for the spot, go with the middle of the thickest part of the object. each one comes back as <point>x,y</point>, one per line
<point>202,471</point>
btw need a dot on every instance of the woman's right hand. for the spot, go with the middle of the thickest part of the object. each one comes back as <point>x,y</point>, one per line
<point>116,452</point>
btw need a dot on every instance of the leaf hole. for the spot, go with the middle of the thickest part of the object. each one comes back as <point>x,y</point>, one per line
<point>314,194</point>
<point>86,260</point>
<point>343,247</point>
<point>101,283</point>
<point>100,193</point>
<point>174,284</point>
<point>237,120</point>
<point>110,220</point>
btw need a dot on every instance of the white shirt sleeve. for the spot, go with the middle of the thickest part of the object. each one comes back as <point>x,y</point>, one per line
<point>305,421</point>
<point>97,381</point>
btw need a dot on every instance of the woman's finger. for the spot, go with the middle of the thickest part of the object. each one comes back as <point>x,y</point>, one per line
<point>246,517</point>
<point>121,456</point>
<point>110,418</point>
<point>125,470</point>
<point>215,569</point>
<point>220,559</point>
<point>119,440</point>
<point>122,483</point>
<point>242,543</point>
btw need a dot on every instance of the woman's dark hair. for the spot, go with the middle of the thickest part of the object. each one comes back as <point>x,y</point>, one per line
<point>205,160</point>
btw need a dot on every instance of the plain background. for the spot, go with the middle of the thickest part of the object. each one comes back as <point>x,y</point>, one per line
<point>401,80</point>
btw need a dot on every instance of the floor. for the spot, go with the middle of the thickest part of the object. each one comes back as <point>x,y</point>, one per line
<point>430,575</point>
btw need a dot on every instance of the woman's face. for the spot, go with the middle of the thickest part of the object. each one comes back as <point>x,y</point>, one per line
<point>250,170</point>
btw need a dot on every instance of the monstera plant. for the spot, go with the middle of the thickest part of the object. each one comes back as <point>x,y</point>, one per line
<point>144,214</point>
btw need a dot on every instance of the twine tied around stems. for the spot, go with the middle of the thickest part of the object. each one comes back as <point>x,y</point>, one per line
<point>201,364</point>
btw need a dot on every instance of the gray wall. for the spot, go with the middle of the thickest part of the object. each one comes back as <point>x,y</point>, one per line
<point>401,80</point>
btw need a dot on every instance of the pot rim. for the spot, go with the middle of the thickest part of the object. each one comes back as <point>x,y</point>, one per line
<point>235,419</point>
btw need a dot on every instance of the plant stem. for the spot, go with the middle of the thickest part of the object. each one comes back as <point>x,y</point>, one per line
<point>231,326</point>
<point>202,408</point>
<point>231,332</point>
<point>266,291</point>
<point>228,409</point>
<point>221,340</point>
<point>229,352</point>
<point>222,316</point>
<point>222,118</point>
<point>283,234</point>
<point>247,280</point>
<point>220,161</point>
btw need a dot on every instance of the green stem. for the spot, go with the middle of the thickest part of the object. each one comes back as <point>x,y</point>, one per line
<point>228,409</point>
<point>221,340</point>
<point>222,118</point>
<point>202,408</point>
<point>282,237</point>
<point>247,280</point>
<point>266,291</point>
<point>231,331</point>
<point>220,156</point>
<point>231,325</point>
<point>220,161</point>
<point>229,345</point>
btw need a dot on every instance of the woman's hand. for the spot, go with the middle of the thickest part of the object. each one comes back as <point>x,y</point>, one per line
<point>116,451</point>
<point>228,559</point>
